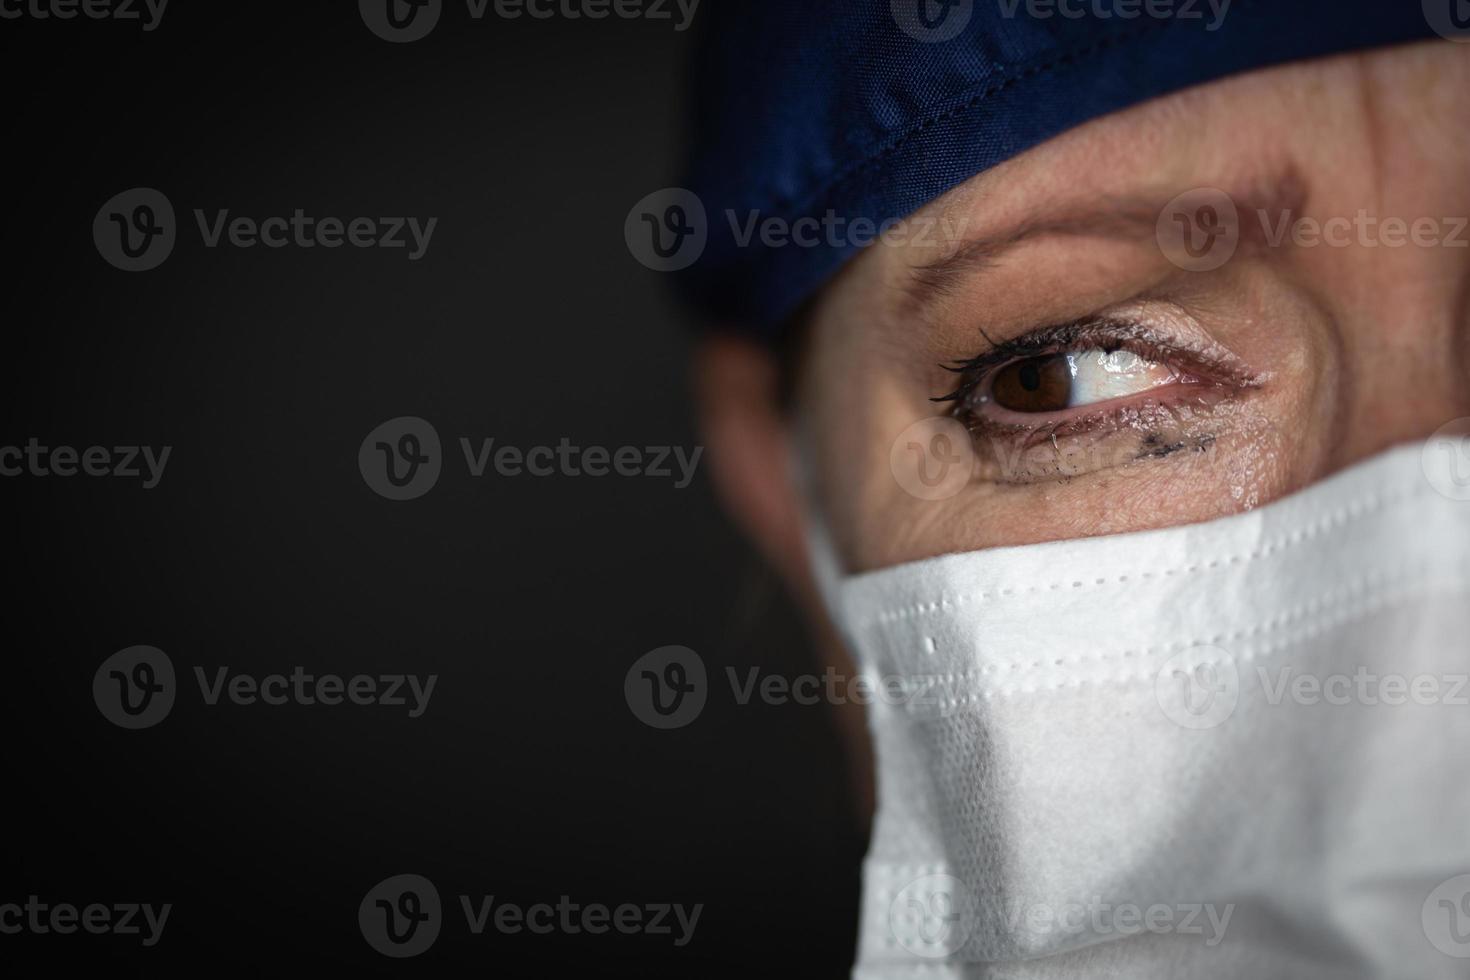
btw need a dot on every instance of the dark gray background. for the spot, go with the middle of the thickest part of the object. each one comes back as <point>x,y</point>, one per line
<point>263,549</point>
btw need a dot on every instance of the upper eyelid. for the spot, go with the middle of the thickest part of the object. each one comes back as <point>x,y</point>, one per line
<point>1099,330</point>
<point>1187,346</point>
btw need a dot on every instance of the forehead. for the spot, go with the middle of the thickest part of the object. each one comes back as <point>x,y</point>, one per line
<point>1267,139</point>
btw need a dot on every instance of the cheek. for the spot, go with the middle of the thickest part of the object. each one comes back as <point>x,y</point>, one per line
<point>890,493</point>
<point>852,417</point>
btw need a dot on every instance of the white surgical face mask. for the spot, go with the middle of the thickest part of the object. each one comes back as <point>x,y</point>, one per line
<point>1233,749</point>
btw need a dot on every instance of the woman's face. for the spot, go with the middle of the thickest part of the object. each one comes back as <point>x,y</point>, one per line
<point>1108,362</point>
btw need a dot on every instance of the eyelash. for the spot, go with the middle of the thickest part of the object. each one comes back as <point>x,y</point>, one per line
<point>1107,334</point>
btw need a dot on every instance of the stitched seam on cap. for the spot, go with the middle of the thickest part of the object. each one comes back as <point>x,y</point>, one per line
<point>1014,74</point>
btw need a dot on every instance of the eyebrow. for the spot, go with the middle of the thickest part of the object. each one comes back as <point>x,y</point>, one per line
<point>1131,218</point>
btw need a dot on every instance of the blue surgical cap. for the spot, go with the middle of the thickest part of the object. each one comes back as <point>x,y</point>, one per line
<point>848,109</point>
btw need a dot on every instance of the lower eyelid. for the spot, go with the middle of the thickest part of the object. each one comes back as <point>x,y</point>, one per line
<point>1163,424</point>
<point>1191,394</point>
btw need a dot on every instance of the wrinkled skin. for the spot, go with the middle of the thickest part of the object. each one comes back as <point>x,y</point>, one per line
<point>1303,355</point>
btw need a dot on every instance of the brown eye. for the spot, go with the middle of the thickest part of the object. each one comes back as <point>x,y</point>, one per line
<point>1037,384</point>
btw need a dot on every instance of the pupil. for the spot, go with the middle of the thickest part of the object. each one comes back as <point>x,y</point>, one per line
<point>1030,377</point>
